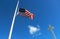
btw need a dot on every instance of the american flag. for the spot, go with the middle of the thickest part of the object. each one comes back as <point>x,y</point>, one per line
<point>25,12</point>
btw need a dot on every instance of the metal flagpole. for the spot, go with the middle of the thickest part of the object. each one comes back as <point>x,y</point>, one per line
<point>53,34</point>
<point>12,25</point>
<point>51,30</point>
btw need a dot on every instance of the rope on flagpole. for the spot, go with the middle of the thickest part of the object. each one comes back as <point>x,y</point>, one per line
<point>12,25</point>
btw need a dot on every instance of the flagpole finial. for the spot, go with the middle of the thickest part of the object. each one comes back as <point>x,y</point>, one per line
<point>50,27</point>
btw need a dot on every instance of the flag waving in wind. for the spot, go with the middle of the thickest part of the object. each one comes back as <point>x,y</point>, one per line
<point>24,12</point>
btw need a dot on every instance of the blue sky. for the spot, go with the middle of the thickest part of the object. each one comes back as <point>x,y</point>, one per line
<point>46,12</point>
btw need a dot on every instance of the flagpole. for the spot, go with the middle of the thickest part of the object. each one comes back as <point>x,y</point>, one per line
<point>53,34</point>
<point>51,30</point>
<point>12,25</point>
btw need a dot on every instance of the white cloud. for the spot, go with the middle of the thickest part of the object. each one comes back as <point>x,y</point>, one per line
<point>33,30</point>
